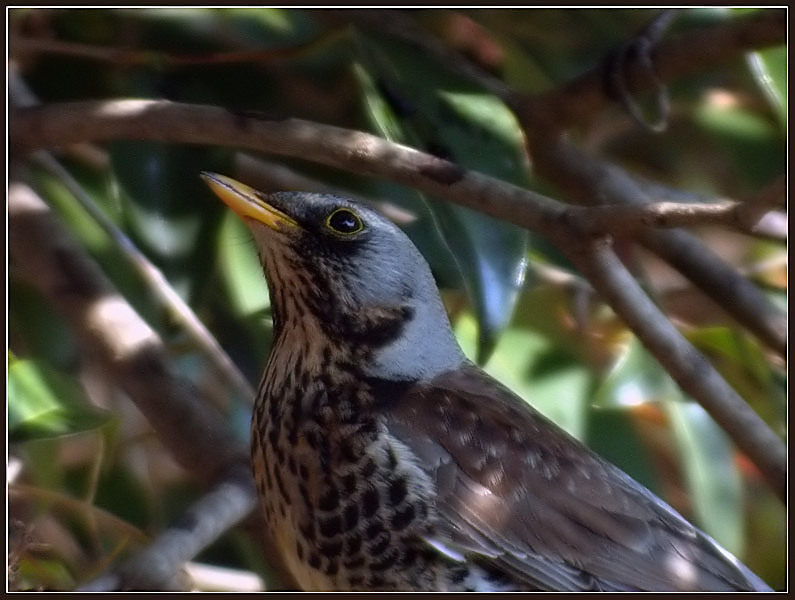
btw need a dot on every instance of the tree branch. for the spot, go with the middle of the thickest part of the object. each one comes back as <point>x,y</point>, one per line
<point>575,103</point>
<point>366,154</point>
<point>109,328</point>
<point>630,220</point>
<point>158,566</point>
<point>592,182</point>
<point>684,363</point>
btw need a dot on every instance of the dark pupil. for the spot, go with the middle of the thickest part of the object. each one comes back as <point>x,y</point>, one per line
<point>344,221</point>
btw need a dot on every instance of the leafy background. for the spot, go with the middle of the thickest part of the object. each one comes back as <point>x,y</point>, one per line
<point>90,482</point>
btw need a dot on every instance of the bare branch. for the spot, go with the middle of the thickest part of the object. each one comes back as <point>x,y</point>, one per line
<point>158,566</point>
<point>684,363</point>
<point>108,327</point>
<point>358,152</point>
<point>591,182</point>
<point>576,102</point>
<point>624,220</point>
<point>366,154</point>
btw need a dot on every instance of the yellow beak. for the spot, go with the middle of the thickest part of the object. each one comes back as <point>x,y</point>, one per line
<point>245,201</point>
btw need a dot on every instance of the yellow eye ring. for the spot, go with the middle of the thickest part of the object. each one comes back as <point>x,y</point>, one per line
<point>344,221</point>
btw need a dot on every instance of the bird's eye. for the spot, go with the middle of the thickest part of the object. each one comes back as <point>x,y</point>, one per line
<point>344,221</point>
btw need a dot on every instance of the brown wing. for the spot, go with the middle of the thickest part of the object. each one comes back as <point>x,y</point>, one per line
<point>528,498</point>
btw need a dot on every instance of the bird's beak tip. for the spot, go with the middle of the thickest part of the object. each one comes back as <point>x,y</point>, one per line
<point>245,201</point>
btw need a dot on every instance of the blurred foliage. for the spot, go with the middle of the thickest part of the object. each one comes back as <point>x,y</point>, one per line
<point>93,483</point>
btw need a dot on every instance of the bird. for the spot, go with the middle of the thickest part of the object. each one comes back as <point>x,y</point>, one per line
<point>386,460</point>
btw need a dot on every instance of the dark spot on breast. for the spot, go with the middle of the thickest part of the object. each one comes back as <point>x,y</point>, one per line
<point>299,550</point>
<point>354,563</point>
<point>408,557</point>
<point>281,487</point>
<point>402,518</point>
<point>375,582</point>
<point>380,543</point>
<point>302,489</point>
<point>350,516</point>
<point>353,543</point>
<point>391,458</point>
<point>332,568</point>
<point>349,450</point>
<point>331,548</point>
<point>368,468</point>
<point>308,530</point>
<point>398,490</point>
<point>388,559</point>
<point>373,529</point>
<point>330,499</point>
<point>349,483</point>
<point>314,560</point>
<point>303,471</point>
<point>370,502</point>
<point>273,435</point>
<point>311,439</point>
<point>459,574</point>
<point>331,526</point>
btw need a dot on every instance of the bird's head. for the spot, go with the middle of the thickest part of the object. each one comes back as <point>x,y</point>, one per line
<point>350,273</point>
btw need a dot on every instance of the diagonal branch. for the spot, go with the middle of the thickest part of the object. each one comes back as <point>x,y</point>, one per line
<point>592,182</point>
<point>684,363</point>
<point>158,566</point>
<point>108,327</point>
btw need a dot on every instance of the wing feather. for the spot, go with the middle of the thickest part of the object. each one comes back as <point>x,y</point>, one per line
<point>523,495</point>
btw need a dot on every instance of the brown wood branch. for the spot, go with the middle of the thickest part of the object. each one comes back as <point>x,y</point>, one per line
<point>365,154</point>
<point>578,101</point>
<point>132,354</point>
<point>689,368</point>
<point>592,182</point>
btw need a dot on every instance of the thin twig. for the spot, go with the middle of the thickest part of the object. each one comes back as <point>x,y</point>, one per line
<point>685,364</point>
<point>158,566</point>
<point>174,305</point>
<point>592,182</point>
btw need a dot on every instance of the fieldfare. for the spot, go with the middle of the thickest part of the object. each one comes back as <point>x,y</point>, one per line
<point>385,460</point>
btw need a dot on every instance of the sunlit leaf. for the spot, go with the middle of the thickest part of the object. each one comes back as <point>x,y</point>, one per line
<point>769,68</point>
<point>636,378</point>
<point>43,403</point>
<point>240,267</point>
<point>711,473</point>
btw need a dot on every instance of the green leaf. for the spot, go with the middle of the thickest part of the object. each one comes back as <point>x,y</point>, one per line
<point>636,378</point>
<point>613,434</point>
<point>44,403</point>
<point>240,268</point>
<point>412,100</point>
<point>769,68</point>
<point>169,211</point>
<point>711,472</point>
